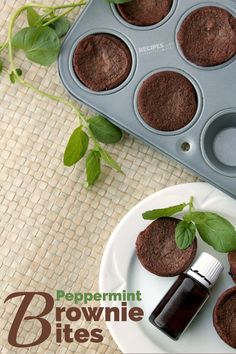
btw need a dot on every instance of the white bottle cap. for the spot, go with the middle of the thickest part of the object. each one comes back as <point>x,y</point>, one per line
<point>206,270</point>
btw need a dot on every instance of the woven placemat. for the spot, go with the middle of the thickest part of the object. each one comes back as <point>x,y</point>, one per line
<point>53,230</point>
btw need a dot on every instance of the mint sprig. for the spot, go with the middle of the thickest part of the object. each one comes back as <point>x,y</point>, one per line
<point>93,167</point>
<point>104,131</point>
<point>215,230</point>
<point>76,147</point>
<point>1,65</point>
<point>41,43</point>
<point>185,234</point>
<point>166,212</point>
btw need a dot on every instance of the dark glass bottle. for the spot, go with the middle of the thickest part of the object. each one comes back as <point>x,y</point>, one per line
<point>186,297</point>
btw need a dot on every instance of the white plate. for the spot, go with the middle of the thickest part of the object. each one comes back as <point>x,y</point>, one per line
<point>121,270</point>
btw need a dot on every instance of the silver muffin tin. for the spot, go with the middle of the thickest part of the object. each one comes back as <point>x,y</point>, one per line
<point>207,145</point>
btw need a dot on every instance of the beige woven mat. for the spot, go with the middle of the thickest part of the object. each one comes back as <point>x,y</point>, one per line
<point>53,230</point>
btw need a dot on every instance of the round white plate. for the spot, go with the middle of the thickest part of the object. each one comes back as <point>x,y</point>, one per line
<point>121,270</point>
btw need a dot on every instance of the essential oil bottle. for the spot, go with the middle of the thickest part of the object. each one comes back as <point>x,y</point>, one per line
<point>186,297</point>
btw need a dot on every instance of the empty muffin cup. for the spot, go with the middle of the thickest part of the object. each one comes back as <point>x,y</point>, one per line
<point>144,12</point>
<point>167,101</point>
<point>102,61</point>
<point>219,143</point>
<point>207,36</point>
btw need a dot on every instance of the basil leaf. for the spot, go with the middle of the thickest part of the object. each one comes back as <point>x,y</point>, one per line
<point>185,233</point>
<point>215,230</point>
<point>12,77</point>
<point>104,131</point>
<point>109,160</point>
<point>61,26</point>
<point>76,147</point>
<point>33,17</point>
<point>166,212</point>
<point>1,65</point>
<point>40,44</point>
<point>93,167</point>
<point>19,72</point>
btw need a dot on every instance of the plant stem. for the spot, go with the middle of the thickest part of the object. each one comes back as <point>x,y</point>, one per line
<point>61,15</point>
<point>3,46</point>
<point>81,118</point>
<point>22,9</point>
<point>191,204</point>
<point>57,17</point>
<point>52,97</point>
<point>75,4</point>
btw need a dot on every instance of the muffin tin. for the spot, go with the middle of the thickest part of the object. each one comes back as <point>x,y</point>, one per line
<point>207,145</point>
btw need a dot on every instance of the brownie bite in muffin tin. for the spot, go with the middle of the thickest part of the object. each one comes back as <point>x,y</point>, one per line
<point>144,12</point>
<point>167,101</point>
<point>163,71</point>
<point>207,36</point>
<point>102,61</point>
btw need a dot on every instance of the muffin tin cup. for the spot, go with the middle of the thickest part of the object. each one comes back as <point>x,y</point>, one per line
<point>199,102</point>
<point>144,28</point>
<point>218,142</point>
<point>154,49</point>
<point>118,35</point>
<point>188,12</point>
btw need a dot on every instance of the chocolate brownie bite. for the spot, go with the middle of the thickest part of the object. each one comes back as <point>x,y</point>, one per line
<point>144,12</point>
<point>224,317</point>
<point>232,263</point>
<point>157,250</point>
<point>102,61</point>
<point>207,36</point>
<point>167,101</point>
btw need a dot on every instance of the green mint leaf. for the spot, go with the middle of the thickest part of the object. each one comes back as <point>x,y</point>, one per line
<point>76,147</point>
<point>19,72</point>
<point>33,17</point>
<point>104,131</point>
<point>166,212</point>
<point>12,77</point>
<point>109,160</point>
<point>93,167</point>
<point>40,44</point>
<point>1,65</point>
<point>185,233</point>
<point>49,11</point>
<point>215,230</point>
<point>61,26</point>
